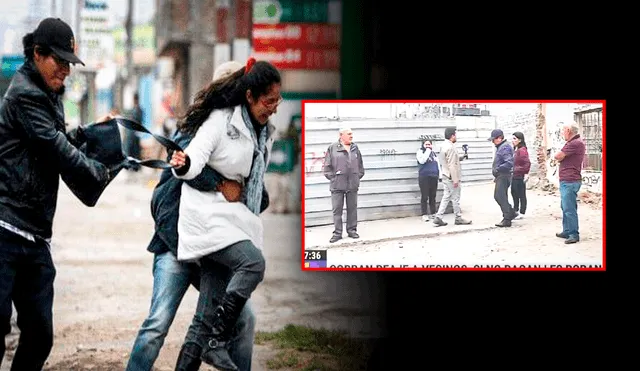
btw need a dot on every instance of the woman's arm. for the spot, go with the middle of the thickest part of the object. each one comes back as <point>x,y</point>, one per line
<point>199,150</point>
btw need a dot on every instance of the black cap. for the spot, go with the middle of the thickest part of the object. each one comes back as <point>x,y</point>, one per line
<point>495,133</point>
<point>58,36</point>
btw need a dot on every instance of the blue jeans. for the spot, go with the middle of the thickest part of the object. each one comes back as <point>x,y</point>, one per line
<point>171,279</point>
<point>569,205</point>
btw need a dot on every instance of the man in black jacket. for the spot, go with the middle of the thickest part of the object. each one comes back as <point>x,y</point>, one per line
<point>35,151</point>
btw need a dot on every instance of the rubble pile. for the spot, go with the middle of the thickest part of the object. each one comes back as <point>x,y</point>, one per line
<point>590,198</point>
<point>544,185</point>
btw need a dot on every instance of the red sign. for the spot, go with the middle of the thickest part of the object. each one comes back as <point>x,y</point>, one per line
<point>243,18</point>
<point>317,36</point>
<point>222,14</point>
<point>299,59</point>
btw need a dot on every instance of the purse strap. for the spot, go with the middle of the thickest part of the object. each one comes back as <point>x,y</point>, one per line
<point>165,142</point>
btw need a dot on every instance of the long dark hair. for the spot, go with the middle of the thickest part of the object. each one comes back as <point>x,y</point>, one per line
<point>229,91</point>
<point>520,136</point>
<point>29,46</point>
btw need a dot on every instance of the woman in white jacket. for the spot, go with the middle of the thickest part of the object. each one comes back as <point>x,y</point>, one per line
<point>230,121</point>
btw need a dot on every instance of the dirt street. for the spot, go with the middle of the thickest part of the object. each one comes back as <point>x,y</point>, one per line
<point>531,240</point>
<point>103,284</point>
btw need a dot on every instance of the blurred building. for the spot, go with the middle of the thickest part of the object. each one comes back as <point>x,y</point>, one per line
<point>38,9</point>
<point>301,38</point>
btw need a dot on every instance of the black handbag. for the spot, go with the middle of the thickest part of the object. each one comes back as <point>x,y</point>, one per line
<point>104,144</point>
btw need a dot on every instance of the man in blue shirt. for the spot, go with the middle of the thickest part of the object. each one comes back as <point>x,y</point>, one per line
<point>502,170</point>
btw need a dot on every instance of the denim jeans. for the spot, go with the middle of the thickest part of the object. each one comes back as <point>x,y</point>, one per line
<point>171,279</point>
<point>26,278</point>
<point>569,205</point>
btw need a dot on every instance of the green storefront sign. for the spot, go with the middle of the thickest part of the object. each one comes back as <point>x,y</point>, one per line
<point>287,11</point>
<point>283,155</point>
<point>285,151</point>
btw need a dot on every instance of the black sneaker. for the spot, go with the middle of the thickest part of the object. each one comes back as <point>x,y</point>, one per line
<point>462,221</point>
<point>572,239</point>
<point>354,235</point>
<point>562,235</point>
<point>504,223</point>
<point>439,222</point>
<point>335,239</point>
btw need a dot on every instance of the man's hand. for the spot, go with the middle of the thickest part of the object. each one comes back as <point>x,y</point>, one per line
<point>526,178</point>
<point>455,185</point>
<point>105,118</point>
<point>230,189</point>
<point>178,159</point>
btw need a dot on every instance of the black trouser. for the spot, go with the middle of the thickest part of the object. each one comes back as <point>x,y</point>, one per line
<point>519,194</point>
<point>26,278</point>
<point>428,188</point>
<point>337,204</point>
<point>500,194</point>
<point>215,280</point>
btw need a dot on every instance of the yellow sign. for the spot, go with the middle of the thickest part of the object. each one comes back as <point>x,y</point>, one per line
<point>144,48</point>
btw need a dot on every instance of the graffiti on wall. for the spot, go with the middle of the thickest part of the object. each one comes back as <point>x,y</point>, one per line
<point>388,153</point>
<point>313,162</point>
<point>431,137</point>
<point>554,138</point>
<point>592,181</point>
<point>552,163</point>
<point>523,121</point>
<point>421,111</point>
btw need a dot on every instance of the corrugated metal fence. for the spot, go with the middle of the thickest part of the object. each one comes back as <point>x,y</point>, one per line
<point>389,188</point>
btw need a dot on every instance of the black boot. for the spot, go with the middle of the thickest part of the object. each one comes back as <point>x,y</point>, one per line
<point>226,315</point>
<point>504,223</point>
<point>189,357</point>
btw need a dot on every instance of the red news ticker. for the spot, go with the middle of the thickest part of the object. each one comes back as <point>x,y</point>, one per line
<point>296,35</point>
<point>298,58</point>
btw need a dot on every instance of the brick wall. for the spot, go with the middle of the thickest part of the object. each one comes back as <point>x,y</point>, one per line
<point>525,122</point>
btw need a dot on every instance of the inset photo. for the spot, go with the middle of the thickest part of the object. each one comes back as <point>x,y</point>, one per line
<point>453,185</point>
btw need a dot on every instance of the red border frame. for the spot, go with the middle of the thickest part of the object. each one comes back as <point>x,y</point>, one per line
<point>604,115</point>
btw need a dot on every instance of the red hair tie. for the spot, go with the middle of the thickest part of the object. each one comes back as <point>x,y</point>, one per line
<point>250,62</point>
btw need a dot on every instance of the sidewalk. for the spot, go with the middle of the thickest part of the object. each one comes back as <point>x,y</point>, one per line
<point>476,202</point>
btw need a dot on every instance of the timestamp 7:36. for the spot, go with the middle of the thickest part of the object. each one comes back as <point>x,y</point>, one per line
<point>315,255</point>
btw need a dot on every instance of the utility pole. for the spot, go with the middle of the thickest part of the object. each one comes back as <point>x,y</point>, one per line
<point>79,7</point>
<point>54,8</point>
<point>129,42</point>
<point>126,77</point>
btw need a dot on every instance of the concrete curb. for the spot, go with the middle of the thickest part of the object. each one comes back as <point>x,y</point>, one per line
<point>411,237</point>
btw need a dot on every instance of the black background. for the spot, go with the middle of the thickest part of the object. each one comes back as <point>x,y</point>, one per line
<point>448,51</point>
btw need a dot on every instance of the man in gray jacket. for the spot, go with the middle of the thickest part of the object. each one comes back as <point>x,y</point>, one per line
<point>344,169</point>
